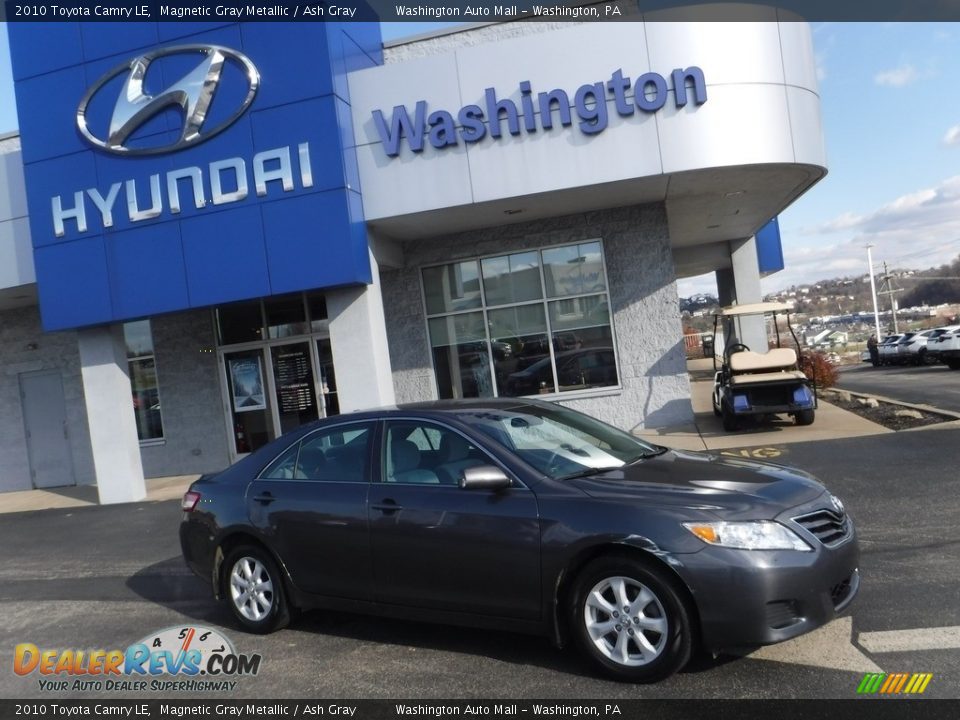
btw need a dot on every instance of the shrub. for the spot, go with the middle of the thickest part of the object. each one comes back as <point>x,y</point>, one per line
<point>817,368</point>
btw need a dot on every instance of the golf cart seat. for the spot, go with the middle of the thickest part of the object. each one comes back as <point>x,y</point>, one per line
<point>752,362</point>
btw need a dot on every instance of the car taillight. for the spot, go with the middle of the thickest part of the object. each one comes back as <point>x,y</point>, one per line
<point>190,500</point>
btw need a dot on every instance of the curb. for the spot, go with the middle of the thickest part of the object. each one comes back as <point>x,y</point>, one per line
<point>949,414</point>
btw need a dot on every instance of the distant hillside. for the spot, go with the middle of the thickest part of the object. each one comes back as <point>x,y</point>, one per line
<point>839,296</point>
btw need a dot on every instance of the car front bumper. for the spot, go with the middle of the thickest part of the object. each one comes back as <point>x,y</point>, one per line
<point>749,597</point>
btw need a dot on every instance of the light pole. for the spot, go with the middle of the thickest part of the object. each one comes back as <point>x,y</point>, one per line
<point>873,292</point>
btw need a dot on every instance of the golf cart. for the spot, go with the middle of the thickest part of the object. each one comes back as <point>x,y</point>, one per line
<point>750,383</point>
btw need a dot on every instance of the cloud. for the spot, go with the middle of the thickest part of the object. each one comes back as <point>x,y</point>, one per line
<point>953,136</point>
<point>898,77</point>
<point>917,230</point>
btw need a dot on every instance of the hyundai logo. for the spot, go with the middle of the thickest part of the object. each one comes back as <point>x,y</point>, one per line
<point>193,94</point>
<point>837,504</point>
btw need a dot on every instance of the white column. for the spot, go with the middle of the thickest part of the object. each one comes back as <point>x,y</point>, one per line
<point>113,428</point>
<point>358,340</point>
<point>752,330</point>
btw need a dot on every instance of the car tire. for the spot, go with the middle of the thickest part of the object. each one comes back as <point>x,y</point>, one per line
<point>805,417</point>
<point>249,568</point>
<point>953,364</point>
<point>730,422</point>
<point>658,639</point>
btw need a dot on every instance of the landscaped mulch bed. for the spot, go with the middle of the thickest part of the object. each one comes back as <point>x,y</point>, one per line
<point>890,415</point>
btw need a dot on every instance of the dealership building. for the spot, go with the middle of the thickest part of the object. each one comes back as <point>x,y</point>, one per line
<point>211,234</point>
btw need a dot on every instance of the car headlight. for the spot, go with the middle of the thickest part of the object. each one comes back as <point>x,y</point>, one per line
<point>754,535</point>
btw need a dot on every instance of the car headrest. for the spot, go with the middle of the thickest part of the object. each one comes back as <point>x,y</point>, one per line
<point>453,447</point>
<point>405,454</point>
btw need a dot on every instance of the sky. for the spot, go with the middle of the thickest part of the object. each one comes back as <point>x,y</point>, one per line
<point>891,119</point>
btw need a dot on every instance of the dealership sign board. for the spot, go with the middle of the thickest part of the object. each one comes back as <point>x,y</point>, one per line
<point>175,166</point>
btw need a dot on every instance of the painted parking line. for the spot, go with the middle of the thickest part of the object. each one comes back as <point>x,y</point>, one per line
<point>888,641</point>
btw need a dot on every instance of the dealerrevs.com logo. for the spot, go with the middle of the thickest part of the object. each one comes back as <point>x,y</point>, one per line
<point>175,659</point>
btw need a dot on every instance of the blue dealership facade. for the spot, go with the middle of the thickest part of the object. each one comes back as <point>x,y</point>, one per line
<point>216,232</point>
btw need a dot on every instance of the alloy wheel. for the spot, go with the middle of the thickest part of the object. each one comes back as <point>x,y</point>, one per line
<point>251,589</point>
<point>626,621</point>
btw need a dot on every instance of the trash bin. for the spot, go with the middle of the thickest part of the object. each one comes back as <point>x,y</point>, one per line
<point>708,346</point>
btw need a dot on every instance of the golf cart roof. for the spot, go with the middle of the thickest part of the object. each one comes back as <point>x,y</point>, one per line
<point>761,308</point>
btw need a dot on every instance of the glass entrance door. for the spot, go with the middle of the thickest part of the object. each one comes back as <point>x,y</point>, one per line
<point>251,420</point>
<point>295,386</point>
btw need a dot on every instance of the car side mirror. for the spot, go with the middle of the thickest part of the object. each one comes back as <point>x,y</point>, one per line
<point>484,477</point>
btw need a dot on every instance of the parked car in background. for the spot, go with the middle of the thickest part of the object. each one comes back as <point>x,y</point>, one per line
<point>887,349</point>
<point>936,339</point>
<point>526,516</point>
<point>908,348</point>
<point>949,349</point>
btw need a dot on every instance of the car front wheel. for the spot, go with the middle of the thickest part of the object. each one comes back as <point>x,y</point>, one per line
<point>631,621</point>
<point>253,588</point>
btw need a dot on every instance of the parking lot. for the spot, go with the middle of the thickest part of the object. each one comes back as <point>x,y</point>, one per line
<point>105,577</point>
<point>935,385</point>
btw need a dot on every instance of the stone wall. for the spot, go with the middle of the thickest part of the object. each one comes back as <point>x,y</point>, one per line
<point>643,300</point>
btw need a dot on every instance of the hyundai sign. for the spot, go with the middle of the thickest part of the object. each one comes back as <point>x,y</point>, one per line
<point>182,166</point>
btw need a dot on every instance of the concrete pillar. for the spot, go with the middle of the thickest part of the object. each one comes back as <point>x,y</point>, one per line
<point>358,339</point>
<point>113,427</point>
<point>752,330</point>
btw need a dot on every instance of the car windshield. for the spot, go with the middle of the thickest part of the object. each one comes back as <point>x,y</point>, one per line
<point>557,441</point>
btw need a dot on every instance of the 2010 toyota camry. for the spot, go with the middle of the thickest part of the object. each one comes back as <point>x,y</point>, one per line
<point>526,516</point>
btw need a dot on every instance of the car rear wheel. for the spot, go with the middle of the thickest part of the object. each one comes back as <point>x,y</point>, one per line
<point>253,588</point>
<point>953,364</point>
<point>805,417</point>
<point>631,621</point>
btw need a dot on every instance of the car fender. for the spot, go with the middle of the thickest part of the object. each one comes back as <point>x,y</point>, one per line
<point>629,543</point>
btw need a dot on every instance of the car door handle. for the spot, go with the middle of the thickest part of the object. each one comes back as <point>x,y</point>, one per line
<point>265,498</point>
<point>387,507</point>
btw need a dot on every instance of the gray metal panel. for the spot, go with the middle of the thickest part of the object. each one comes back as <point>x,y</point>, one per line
<point>45,423</point>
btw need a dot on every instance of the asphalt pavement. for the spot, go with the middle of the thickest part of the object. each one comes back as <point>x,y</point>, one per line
<point>105,577</point>
<point>933,385</point>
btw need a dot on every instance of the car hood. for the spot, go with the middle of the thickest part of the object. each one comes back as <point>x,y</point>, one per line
<point>707,481</point>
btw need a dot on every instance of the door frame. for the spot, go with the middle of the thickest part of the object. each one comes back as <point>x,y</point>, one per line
<point>265,348</point>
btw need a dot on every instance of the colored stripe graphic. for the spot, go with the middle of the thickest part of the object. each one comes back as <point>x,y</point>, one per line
<point>894,683</point>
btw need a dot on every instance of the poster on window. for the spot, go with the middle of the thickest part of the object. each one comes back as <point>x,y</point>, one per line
<point>247,380</point>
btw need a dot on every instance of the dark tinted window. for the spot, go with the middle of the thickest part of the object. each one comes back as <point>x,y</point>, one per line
<point>339,454</point>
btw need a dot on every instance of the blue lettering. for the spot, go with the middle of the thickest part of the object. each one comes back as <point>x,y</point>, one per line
<point>442,130</point>
<point>471,120</point>
<point>474,122</point>
<point>618,85</point>
<point>401,125</point>
<point>495,107</point>
<point>592,120</point>
<point>546,112</point>
<point>659,98</point>
<point>134,659</point>
<point>695,75</point>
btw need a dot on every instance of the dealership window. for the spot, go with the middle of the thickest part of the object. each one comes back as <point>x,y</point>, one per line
<point>143,380</point>
<point>527,323</point>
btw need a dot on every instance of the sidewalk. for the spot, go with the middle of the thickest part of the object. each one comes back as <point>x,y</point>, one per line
<point>706,431</point>
<point>167,488</point>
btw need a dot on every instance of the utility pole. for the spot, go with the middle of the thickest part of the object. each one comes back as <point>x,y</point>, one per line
<point>891,291</point>
<point>873,292</point>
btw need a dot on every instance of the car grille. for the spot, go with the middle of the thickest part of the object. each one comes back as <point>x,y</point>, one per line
<point>828,526</point>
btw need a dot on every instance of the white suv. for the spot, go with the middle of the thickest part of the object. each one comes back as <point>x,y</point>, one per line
<point>949,349</point>
<point>936,341</point>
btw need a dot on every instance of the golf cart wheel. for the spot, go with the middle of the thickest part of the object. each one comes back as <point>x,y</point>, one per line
<point>805,417</point>
<point>730,422</point>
